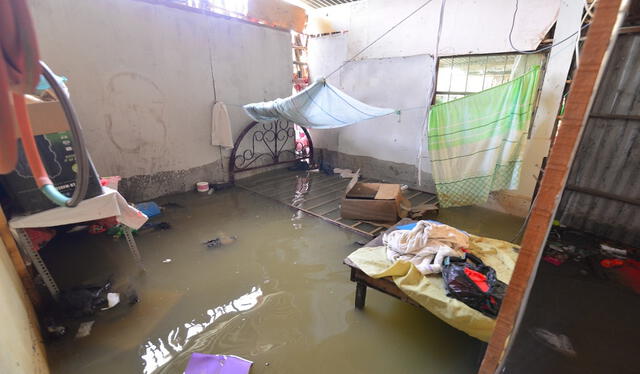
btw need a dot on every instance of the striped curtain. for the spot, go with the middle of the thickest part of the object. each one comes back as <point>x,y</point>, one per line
<point>476,143</point>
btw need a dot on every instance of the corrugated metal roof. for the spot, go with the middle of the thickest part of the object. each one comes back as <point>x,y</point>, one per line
<point>608,158</point>
<point>325,3</point>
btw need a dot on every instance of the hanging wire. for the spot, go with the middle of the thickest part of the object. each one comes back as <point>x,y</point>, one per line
<point>380,37</point>
<point>513,23</point>
<point>434,82</point>
<point>213,78</point>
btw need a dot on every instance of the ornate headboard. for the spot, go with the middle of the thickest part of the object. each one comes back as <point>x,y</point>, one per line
<point>264,144</point>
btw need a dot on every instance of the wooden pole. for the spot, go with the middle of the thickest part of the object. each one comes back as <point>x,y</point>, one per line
<point>18,262</point>
<point>600,39</point>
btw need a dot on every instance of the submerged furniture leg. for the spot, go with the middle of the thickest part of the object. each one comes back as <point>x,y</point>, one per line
<point>361,294</point>
<point>41,268</point>
<point>133,247</point>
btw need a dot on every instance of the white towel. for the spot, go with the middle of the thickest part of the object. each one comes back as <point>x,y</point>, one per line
<point>221,126</point>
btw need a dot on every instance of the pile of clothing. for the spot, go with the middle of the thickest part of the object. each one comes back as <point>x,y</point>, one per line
<point>433,247</point>
<point>395,259</point>
<point>425,244</point>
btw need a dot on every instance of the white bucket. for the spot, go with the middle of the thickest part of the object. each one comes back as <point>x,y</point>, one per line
<point>202,186</point>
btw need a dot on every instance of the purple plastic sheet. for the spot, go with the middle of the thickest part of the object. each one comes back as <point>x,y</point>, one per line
<point>201,363</point>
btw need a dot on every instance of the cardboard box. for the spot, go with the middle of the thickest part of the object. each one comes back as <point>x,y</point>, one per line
<point>55,145</point>
<point>372,202</point>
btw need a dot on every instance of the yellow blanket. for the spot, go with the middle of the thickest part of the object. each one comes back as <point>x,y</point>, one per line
<point>429,290</point>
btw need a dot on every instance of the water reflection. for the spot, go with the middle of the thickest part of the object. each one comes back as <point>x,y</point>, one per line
<point>157,353</point>
<point>303,184</point>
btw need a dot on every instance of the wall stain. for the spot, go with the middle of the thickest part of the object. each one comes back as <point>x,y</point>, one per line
<point>135,120</point>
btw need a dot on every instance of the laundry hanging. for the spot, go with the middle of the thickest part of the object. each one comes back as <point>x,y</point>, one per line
<point>221,126</point>
<point>476,143</point>
<point>320,105</point>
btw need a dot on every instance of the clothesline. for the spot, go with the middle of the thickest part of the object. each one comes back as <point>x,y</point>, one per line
<point>398,111</point>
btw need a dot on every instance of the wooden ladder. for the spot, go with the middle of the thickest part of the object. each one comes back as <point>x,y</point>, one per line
<point>300,65</point>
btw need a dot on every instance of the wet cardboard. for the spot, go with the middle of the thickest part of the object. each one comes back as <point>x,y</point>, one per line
<point>372,202</point>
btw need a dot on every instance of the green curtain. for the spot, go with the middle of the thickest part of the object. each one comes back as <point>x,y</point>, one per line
<point>476,143</point>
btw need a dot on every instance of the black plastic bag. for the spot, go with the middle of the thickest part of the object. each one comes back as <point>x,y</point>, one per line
<point>85,302</point>
<point>473,283</point>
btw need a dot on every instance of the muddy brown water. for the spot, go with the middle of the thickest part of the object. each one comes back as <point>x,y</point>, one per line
<point>278,296</point>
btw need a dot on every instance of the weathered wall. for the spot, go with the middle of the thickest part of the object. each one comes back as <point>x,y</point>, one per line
<point>469,26</point>
<point>398,72</point>
<point>22,351</point>
<point>141,79</point>
<point>386,147</point>
<point>607,162</point>
<point>558,65</point>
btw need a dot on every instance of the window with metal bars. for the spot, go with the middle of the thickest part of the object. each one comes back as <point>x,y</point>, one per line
<point>458,76</point>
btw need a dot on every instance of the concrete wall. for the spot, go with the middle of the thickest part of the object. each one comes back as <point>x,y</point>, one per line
<point>141,79</point>
<point>398,72</point>
<point>22,351</point>
<point>385,147</point>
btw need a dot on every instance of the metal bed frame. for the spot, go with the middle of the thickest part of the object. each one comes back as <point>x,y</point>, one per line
<point>273,137</point>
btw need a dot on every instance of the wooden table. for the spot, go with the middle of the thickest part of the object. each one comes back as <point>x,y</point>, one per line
<point>384,285</point>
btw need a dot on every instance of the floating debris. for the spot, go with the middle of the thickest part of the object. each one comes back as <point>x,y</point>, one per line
<point>558,342</point>
<point>84,329</point>
<point>220,241</point>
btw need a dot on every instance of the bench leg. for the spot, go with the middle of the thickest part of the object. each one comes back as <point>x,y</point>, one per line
<point>361,294</point>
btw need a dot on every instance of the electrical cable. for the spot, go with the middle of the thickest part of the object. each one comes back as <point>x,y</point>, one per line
<point>79,146</point>
<point>380,37</point>
<point>513,23</point>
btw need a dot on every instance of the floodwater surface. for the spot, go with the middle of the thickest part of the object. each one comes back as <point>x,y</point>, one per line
<point>278,296</point>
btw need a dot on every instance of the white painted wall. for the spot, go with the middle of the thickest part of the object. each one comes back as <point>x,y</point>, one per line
<point>140,77</point>
<point>470,26</point>
<point>384,76</point>
<point>386,82</point>
<point>558,65</point>
<point>400,82</point>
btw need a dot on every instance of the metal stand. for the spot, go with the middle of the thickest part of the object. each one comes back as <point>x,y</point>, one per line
<point>41,268</point>
<point>39,264</point>
<point>133,247</point>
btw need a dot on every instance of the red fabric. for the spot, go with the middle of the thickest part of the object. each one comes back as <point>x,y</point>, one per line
<point>611,263</point>
<point>40,236</point>
<point>553,260</point>
<point>629,274</point>
<point>478,278</point>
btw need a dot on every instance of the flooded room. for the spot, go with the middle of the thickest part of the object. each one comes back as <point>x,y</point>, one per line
<point>319,186</point>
